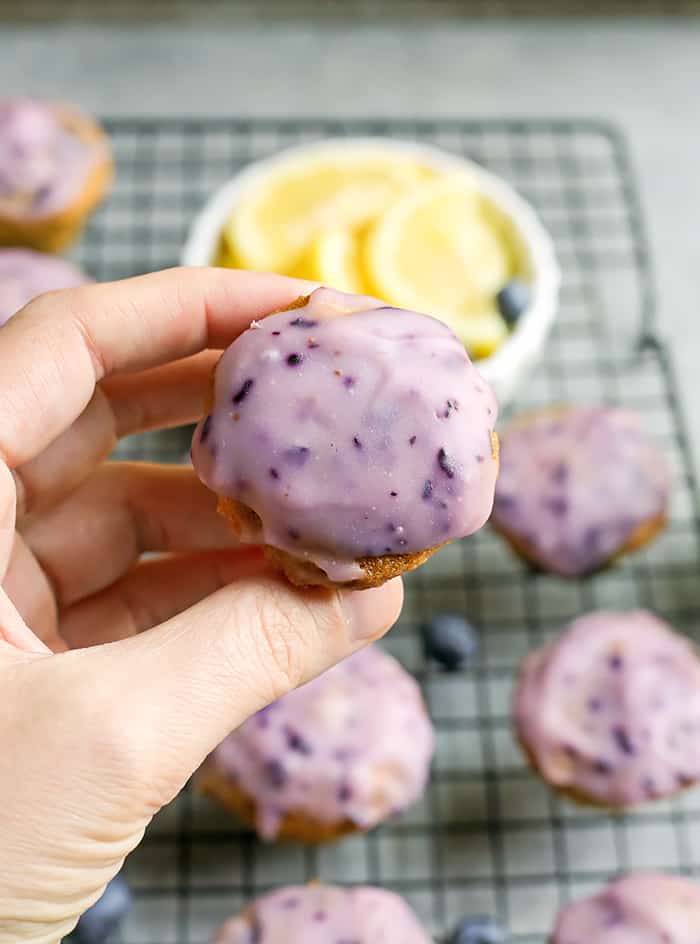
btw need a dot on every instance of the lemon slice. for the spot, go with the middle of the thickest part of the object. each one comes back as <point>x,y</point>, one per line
<point>443,249</point>
<point>286,210</point>
<point>482,334</point>
<point>332,258</point>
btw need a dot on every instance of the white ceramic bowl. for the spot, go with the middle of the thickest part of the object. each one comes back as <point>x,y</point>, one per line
<point>508,366</point>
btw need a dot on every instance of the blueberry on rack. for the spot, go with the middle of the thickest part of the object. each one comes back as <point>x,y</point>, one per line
<point>478,930</point>
<point>102,920</point>
<point>449,639</point>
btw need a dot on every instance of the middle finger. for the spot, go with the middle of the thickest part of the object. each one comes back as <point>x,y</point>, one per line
<point>125,509</point>
<point>122,405</point>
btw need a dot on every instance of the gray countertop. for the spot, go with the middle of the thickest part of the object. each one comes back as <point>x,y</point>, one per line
<point>643,74</point>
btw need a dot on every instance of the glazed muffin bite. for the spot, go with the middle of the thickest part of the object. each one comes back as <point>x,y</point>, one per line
<point>640,908</point>
<point>351,440</point>
<point>336,756</point>
<point>324,914</point>
<point>55,167</point>
<point>609,711</point>
<point>24,274</point>
<point>578,487</point>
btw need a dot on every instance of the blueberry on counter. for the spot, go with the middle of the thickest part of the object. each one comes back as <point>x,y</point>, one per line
<point>478,930</point>
<point>449,639</point>
<point>105,916</point>
<point>513,299</point>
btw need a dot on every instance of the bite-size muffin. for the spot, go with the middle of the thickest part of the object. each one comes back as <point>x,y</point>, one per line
<point>336,756</point>
<point>350,439</point>
<point>324,914</point>
<point>639,908</point>
<point>578,487</point>
<point>609,711</point>
<point>55,167</point>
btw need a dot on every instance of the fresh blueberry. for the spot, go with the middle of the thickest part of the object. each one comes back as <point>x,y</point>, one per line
<point>513,299</point>
<point>449,639</point>
<point>478,930</point>
<point>105,916</point>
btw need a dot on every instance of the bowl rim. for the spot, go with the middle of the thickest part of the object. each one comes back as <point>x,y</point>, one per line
<point>530,331</point>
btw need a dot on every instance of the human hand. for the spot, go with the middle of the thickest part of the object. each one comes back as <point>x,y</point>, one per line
<point>118,675</point>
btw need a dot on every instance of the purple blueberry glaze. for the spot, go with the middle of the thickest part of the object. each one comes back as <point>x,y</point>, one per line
<point>24,274</point>
<point>623,738</point>
<point>335,749</point>
<point>325,914</point>
<point>43,161</point>
<point>576,483</point>
<point>639,908</point>
<point>394,407</point>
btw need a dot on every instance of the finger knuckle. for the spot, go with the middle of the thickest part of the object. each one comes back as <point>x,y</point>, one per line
<point>281,628</point>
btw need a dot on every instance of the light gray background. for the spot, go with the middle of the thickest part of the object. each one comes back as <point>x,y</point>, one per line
<point>642,73</point>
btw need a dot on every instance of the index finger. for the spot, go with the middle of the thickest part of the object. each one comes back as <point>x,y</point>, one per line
<point>63,343</point>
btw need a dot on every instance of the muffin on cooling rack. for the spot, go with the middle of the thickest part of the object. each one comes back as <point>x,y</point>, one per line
<point>351,440</point>
<point>24,274</point>
<point>640,907</point>
<point>55,167</point>
<point>336,756</point>
<point>320,914</point>
<point>609,712</point>
<point>578,487</point>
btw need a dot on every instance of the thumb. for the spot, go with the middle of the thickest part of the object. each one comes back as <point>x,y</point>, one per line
<point>180,688</point>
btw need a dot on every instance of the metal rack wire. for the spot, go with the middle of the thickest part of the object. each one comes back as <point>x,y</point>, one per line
<point>488,836</point>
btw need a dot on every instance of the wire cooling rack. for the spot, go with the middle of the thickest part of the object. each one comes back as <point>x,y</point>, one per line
<point>488,836</point>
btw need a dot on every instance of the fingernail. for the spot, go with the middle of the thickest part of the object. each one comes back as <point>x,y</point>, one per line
<point>370,613</point>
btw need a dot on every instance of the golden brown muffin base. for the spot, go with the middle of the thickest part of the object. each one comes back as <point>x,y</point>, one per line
<point>642,535</point>
<point>296,826</point>
<point>305,574</point>
<point>55,231</point>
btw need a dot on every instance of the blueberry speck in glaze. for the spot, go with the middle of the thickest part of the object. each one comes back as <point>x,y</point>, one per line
<point>357,442</point>
<point>297,455</point>
<point>206,429</point>
<point>101,920</point>
<point>295,359</point>
<point>276,334</point>
<point>244,391</point>
<point>296,742</point>
<point>275,774</point>
<point>293,534</point>
<point>427,490</point>
<point>412,441</point>
<point>349,382</point>
<point>449,639</point>
<point>274,474</point>
<point>623,740</point>
<point>446,463</point>
<point>393,494</point>
<point>559,473</point>
<point>557,505</point>
<point>344,793</point>
<point>479,929</point>
<point>513,299</point>
<point>602,767</point>
<point>303,323</point>
<point>615,662</point>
